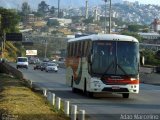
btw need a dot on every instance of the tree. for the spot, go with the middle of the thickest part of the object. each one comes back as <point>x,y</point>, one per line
<point>25,8</point>
<point>89,20</point>
<point>132,34</point>
<point>9,22</point>
<point>25,11</point>
<point>43,8</point>
<point>137,28</point>
<point>51,23</point>
<point>52,10</point>
<point>150,57</point>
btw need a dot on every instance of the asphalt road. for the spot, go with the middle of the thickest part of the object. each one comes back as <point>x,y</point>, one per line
<point>104,107</point>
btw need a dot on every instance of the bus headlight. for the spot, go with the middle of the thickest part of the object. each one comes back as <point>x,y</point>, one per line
<point>132,79</point>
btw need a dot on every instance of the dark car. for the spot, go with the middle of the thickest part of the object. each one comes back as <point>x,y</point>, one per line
<point>158,69</point>
<point>43,65</point>
<point>37,66</point>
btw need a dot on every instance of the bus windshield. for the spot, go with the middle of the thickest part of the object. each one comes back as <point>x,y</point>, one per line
<point>115,58</point>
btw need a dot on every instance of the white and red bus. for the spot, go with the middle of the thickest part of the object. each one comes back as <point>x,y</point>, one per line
<point>103,63</point>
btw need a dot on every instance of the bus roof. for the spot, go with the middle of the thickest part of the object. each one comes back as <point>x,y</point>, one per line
<point>106,37</point>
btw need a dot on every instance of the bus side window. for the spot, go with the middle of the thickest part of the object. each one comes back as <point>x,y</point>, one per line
<point>86,48</point>
<point>68,50</point>
<point>83,51</point>
<point>79,49</point>
<point>71,49</point>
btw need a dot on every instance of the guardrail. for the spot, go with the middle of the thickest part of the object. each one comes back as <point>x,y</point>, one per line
<point>69,109</point>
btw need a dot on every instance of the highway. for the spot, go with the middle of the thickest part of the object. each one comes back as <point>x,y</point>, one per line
<point>103,107</point>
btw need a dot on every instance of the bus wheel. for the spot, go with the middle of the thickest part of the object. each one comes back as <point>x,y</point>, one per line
<point>125,95</point>
<point>90,94</point>
<point>85,87</point>
<point>74,90</point>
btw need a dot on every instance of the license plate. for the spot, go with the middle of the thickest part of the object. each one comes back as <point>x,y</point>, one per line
<point>115,87</point>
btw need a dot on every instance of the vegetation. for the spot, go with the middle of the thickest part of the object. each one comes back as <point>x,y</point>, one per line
<point>89,20</point>
<point>20,103</point>
<point>9,22</point>
<point>134,34</point>
<point>43,8</point>
<point>25,10</point>
<point>52,23</point>
<point>150,58</point>
<point>137,28</point>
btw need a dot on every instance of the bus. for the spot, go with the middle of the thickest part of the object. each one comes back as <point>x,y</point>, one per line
<point>103,63</point>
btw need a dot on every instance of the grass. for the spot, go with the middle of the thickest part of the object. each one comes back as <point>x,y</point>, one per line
<point>19,102</point>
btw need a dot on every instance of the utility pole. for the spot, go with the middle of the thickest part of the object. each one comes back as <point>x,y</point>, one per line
<point>45,52</point>
<point>110,9</point>
<point>86,12</point>
<point>105,29</point>
<point>105,20</point>
<point>58,8</point>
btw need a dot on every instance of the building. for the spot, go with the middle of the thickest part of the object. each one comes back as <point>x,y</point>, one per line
<point>62,22</point>
<point>155,25</point>
<point>149,36</point>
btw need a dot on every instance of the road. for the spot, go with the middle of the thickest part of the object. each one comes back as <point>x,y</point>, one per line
<point>110,106</point>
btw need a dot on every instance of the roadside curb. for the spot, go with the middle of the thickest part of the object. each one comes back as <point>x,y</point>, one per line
<point>70,110</point>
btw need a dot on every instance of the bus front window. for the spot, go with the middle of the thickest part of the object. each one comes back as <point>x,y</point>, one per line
<point>103,57</point>
<point>127,55</point>
<point>115,58</point>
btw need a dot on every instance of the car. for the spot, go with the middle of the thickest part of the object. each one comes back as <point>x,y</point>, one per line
<point>43,65</point>
<point>51,67</point>
<point>22,62</point>
<point>157,69</point>
<point>37,66</point>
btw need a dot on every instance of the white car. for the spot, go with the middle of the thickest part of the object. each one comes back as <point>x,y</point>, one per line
<point>22,62</point>
<point>51,67</point>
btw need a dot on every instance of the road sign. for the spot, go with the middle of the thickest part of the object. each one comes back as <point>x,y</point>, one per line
<point>31,52</point>
<point>13,36</point>
<point>27,43</point>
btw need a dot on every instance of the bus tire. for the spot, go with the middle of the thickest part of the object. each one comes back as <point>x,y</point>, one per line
<point>74,90</point>
<point>125,95</point>
<point>85,87</point>
<point>90,94</point>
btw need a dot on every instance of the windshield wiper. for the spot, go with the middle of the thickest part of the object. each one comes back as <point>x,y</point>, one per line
<point>107,68</point>
<point>118,66</point>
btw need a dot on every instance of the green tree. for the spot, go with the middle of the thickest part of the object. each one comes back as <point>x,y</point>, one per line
<point>51,23</point>
<point>26,8</point>
<point>52,10</point>
<point>43,8</point>
<point>150,57</point>
<point>89,20</point>
<point>136,35</point>
<point>25,11</point>
<point>9,22</point>
<point>137,28</point>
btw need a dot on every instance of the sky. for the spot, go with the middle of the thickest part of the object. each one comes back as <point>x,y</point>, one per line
<point>67,3</point>
<point>155,2</point>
